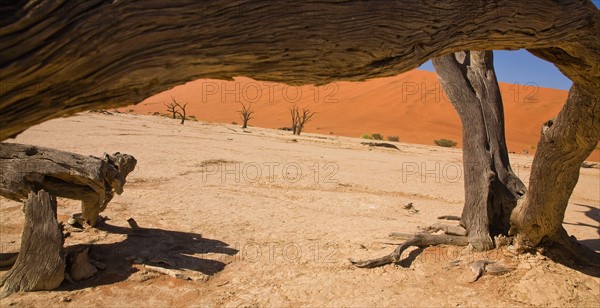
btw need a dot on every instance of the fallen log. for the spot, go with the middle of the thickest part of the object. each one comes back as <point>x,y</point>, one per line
<point>92,180</point>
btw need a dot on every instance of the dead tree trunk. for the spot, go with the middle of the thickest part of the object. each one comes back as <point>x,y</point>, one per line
<point>491,187</point>
<point>172,108</point>
<point>295,118</point>
<point>181,112</point>
<point>41,261</point>
<point>246,114</point>
<point>92,180</point>
<point>302,119</point>
<point>565,143</point>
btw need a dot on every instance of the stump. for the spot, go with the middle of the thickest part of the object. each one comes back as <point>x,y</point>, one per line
<point>41,261</point>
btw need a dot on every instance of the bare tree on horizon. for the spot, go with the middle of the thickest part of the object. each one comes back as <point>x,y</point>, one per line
<point>173,108</point>
<point>300,119</point>
<point>246,114</point>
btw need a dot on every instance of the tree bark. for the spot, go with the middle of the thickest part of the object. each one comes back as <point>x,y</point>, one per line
<point>60,57</point>
<point>41,261</point>
<point>491,187</point>
<point>565,143</point>
<point>90,179</point>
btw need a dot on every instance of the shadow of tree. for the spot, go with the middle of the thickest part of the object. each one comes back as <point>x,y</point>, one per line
<point>580,255</point>
<point>594,214</point>
<point>174,249</point>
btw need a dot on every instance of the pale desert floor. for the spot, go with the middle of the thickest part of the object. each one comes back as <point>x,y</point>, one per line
<point>263,218</point>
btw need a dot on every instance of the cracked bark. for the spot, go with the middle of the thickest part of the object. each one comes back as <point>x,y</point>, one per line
<point>564,144</point>
<point>92,180</point>
<point>491,187</point>
<point>40,264</point>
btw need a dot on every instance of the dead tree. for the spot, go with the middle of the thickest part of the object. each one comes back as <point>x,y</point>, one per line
<point>40,264</point>
<point>92,180</point>
<point>294,114</point>
<point>303,119</point>
<point>246,114</point>
<point>172,108</point>
<point>565,142</point>
<point>491,187</point>
<point>300,119</point>
<point>178,109</point>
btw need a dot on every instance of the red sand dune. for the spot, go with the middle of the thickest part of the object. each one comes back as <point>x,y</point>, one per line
<point>411,106</point>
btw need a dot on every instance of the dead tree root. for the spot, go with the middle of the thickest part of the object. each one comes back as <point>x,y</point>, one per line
<point>419,240</point>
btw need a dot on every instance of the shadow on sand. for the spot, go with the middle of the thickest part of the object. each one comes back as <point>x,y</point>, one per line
<point>175,249</point>
<point>594,214</point>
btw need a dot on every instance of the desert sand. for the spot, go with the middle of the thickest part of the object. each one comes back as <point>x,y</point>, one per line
<point>412,106</point>
<point>263,218</point>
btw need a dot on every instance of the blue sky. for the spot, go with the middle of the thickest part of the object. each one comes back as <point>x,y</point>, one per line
<point>519,66</point>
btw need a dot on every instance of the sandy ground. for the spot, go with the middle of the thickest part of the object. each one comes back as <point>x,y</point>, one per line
<point>262,218</point>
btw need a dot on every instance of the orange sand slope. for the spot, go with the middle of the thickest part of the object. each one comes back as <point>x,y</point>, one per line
<point>411,106</point>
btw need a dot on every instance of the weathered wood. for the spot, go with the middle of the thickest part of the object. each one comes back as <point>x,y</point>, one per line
<point>169,272</point>
<point>447,229</point>
<point>419,240</point>
<point>93,180</point>
<point>491,187</point>
<point>565,143</point>
<point>479,267</point>
<point>8,259</point>
<point>60,57</point>
<point>449,217</point>
<point>40,264</point>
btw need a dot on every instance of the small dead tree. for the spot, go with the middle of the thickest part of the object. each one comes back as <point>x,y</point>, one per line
<point>246,114</point>
<point>294,114</point>
<point>172,108</point>
<point>300,119</point>
<point>181,112</point>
